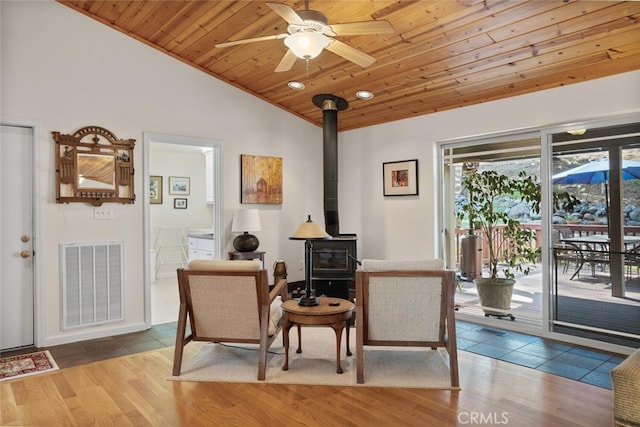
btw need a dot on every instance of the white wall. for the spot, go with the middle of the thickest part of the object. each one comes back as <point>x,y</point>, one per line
<point>66,71</point>
<point>404,227</point>
<point>177,162</point>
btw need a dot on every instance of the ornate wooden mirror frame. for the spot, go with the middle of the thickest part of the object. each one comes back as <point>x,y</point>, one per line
<point>94,166</point>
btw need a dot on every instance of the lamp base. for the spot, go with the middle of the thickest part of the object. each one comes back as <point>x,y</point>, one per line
<point>246,242</point>
<point>306,301</point>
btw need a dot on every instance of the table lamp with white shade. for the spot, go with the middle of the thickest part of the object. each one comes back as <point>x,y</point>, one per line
<point>245,221</point>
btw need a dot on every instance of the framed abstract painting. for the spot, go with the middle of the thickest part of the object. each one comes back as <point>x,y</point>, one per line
<point>400,178</point>
<point>260,179</point>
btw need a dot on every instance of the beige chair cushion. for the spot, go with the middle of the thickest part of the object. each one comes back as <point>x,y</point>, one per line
<point>225,305</point>
<point>275,315</point>
<point>204,264</point>
<point>392,302</point>
<point>392,299</point>
<point>403,264</point>
<point>241,265</point>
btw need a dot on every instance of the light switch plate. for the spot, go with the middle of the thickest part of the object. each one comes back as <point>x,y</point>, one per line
<point>102,213</point>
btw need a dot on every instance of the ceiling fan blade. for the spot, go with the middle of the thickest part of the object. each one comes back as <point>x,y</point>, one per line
<point>251,40</point>
<point>286,62</point>
<point>350,53</point>
<point>287,13</point>
<point>365,27</point>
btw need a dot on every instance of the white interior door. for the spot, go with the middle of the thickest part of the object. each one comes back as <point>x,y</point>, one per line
<point>16,219</point>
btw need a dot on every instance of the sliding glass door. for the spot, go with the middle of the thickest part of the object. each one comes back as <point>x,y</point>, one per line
<point>595,290</point>
<point>588,281</point>
<point>508,155</point>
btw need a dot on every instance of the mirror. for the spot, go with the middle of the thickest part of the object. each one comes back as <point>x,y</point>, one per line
<point>96,171</point>
<point>93,166</point>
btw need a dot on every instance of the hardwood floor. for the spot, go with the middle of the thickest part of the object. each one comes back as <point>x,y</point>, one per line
<point>133,390</point>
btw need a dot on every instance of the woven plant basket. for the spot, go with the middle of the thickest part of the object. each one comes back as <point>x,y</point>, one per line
<point>625,379</point>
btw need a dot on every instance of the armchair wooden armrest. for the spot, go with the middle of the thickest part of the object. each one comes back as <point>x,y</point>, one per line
<point>279,289</point>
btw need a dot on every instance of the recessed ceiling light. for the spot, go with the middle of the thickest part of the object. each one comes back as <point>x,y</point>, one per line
<point>364,94</point>
<point>296,85</point>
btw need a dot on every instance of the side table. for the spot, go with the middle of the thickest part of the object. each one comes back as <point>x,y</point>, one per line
<point>336,316</point>
<point>235,255</point>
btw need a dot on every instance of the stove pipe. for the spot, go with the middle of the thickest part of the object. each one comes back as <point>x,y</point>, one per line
<point>330,105</point>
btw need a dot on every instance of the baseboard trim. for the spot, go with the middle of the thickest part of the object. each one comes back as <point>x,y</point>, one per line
<point>94,334</point>
<point>292,286</point>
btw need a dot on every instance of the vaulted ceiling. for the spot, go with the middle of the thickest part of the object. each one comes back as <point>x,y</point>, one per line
<point>443,54</point>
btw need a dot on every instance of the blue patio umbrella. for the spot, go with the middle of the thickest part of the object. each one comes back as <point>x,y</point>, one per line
<point>597,172</point>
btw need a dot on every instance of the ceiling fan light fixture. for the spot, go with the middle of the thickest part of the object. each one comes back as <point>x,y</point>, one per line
<point>296,85</point>
<point>306,44</point>
<point>364,94</point>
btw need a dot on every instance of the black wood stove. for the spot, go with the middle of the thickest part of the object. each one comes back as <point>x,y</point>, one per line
<point>334,260</point>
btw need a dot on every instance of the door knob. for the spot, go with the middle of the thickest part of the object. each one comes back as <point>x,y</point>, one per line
<point>24,239</point>
<point>25,254</point>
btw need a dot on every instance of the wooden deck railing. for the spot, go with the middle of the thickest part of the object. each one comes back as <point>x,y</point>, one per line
<point>587,229</point>
<point>498,237</point>
<point>577,229</point>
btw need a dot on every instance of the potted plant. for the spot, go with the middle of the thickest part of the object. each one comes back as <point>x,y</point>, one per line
<point>511,250</point>
<point>596,220</point>
<point>570,219</point>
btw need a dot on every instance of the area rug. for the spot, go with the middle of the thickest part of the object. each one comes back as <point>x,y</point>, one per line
<point>26,364</point>
<point>384,366</point>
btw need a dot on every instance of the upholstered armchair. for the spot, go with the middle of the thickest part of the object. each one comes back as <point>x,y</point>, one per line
<point>405,303</point>
<point>228,301</point>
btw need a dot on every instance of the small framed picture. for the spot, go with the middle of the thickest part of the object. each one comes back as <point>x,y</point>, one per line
<point>155,190</point>
<point>400,178</point>
<point>180,203</point>
<point>179,185</point>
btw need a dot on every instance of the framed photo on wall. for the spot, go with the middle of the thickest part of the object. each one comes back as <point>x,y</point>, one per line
<point>261,179</point>
<point>155,190</point>
<point>400,178</point>
<point>180,203</point>
<point>179,185</point>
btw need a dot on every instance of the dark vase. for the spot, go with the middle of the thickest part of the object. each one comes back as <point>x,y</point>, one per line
<point>246,242</point>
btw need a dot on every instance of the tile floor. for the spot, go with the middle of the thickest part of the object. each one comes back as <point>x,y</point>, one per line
<point>580,364</point>
<point>164,300</point>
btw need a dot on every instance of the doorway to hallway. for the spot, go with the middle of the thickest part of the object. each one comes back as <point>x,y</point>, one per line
<point>195,205</point>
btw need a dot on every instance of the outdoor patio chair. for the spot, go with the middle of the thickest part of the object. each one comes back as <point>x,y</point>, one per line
<point>632,260</point>
<point>598,257</point>
<point>228,301</point>
<point>405,303</point>
<point>566,252</point>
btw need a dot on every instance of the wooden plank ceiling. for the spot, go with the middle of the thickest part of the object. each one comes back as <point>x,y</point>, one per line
<point>443,54</point>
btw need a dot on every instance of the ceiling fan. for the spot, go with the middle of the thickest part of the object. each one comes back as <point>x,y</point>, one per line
<point>308,34</point>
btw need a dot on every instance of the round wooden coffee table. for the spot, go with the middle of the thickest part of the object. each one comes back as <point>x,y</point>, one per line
<point>338,316</point>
